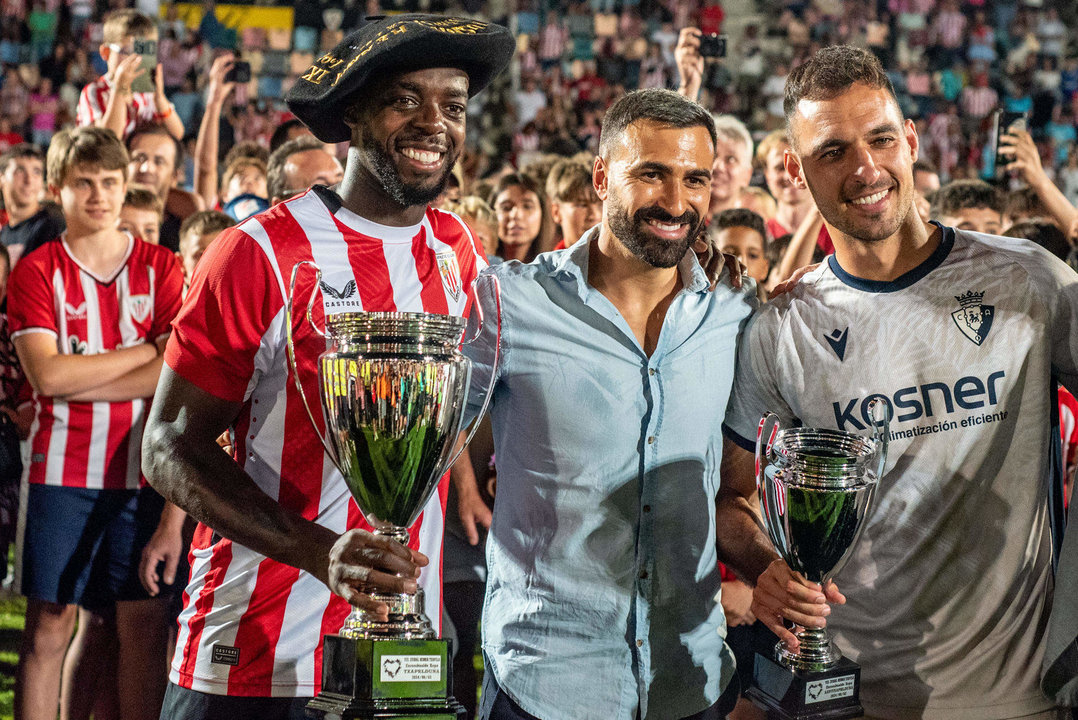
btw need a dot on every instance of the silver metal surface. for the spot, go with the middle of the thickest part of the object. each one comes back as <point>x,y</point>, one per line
<point>393,389</point>
<point>816,488</point>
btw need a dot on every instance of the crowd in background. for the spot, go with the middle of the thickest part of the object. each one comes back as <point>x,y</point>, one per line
<point>951,61</point>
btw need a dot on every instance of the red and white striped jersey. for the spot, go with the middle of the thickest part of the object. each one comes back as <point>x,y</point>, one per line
<point>252,626</point>
<point>95,99</point>
<point>93,445</point>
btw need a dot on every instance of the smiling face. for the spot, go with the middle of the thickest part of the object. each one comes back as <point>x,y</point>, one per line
<point>731,171</point>
<point>779,183</point>
<point>91,199</point>
<point>413,132</point>
<point>23,182</point>
<point>153,162</point>
<point>856,153</point>
<point>655,183</point>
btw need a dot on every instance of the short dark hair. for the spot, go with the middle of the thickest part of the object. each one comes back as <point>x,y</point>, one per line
<point>280,135</point>
<point>831,72</point>
<point>1044,233</point>
<point>18,152</point>
<point>665,107</point>
<point>163,132</point>
<point>1024,203</point>
<point>740,217</point>
<point>959,195</point>
<point>202,223</point>
<point>276,185</point>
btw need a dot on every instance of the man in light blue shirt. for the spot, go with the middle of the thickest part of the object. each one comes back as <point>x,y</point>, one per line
<point>617,359</point>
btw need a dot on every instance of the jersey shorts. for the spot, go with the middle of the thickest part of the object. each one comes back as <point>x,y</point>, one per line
<point>97,565</point>
<point>950,587</point>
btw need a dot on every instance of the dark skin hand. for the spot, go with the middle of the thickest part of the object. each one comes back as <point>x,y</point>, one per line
<point>183,462</point>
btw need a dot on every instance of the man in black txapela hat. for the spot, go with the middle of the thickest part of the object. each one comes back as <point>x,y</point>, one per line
<point>281,550</point>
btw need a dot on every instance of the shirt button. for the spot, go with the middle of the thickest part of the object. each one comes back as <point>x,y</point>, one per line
<point>652,371</point>
<point>647,508</point>
<point>651,440</point>
<point>640,643</point>
<point>643,574</point>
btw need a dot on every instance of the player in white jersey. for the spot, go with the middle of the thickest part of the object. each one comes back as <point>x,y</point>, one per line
<point>288,549</point>
<point>963,336</point>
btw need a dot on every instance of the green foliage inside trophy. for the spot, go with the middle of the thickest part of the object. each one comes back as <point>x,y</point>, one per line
<point>824,522</point>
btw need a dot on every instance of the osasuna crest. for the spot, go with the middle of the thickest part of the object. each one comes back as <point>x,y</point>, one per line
<point>974,318</point>
<point>139,306</point>
<point>450,272</point>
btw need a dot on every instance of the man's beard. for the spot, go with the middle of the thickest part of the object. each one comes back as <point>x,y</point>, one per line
<point>402,193</point>
<point>647,247</point>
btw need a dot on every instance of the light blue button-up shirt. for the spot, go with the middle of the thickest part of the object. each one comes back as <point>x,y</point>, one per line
<point>601,595</point>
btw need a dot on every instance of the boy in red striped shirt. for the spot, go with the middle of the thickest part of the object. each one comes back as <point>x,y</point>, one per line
<point>89,315</point>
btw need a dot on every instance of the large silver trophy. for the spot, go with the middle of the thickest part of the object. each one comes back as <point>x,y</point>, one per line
<point>816,487</point>
<point>393,389</point>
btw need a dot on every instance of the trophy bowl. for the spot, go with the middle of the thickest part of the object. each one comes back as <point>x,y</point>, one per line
<point>393,388</point>
<point>816,487</point>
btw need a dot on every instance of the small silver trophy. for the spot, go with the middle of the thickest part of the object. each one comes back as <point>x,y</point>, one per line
<point>816,487</point>
<point>393,389</point>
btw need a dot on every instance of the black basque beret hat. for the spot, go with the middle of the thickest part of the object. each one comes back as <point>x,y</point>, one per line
<point>399,43</point>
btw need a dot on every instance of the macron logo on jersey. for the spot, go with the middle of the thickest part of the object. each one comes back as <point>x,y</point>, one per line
<point>922,401</point>
<point>837,341</point>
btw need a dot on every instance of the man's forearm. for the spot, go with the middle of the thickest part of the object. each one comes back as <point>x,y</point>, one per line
<point>739,532</point>
<point>743,544</point>
<point>1053,198</point>
<point>199,477</point>
<point>206,154</point>
<point>115,117</point>
<point>138,383</point>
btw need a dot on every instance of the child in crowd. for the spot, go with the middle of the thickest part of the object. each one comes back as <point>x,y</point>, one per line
<point>89,316</point>
<point>480,217</point>
<point>111,101</point>
<point>742,233</point>
<point>196,234</point>
<point>142,213</point>
<point>574,206</point>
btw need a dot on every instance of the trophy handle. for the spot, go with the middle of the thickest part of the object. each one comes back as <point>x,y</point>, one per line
<point>768,428</point>
<point>496,286</point>
<point>292,350</point>
<point>878,411</point>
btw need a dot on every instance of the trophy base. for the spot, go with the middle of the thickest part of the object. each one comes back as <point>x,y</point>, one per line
<point>786,694</point>
<point>380,679</point>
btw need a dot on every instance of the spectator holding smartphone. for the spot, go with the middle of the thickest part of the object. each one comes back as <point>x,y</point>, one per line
<point>110,101</point>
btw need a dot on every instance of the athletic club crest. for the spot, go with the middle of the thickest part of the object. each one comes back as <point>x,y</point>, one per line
<point>139,307</point>
<point>450,272</point>
<point>974,318</point>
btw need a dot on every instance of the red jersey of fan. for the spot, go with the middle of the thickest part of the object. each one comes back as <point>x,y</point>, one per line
<point>93,445</point>
<point>823,240</point>
<point>1068,430</point>
<point>251,626</point>
<point>94,100</point>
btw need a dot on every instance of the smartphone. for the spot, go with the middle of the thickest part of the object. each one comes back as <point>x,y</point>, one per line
<point>239,73</point>
<point>713,46</point>
<point>147,50</point>
<point>1003,122</point>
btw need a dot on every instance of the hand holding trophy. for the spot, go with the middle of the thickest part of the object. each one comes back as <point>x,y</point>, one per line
<point>393,389</point>
<point>816,487</point>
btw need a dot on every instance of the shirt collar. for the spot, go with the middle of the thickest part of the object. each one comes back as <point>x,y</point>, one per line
<point>573,265</point>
